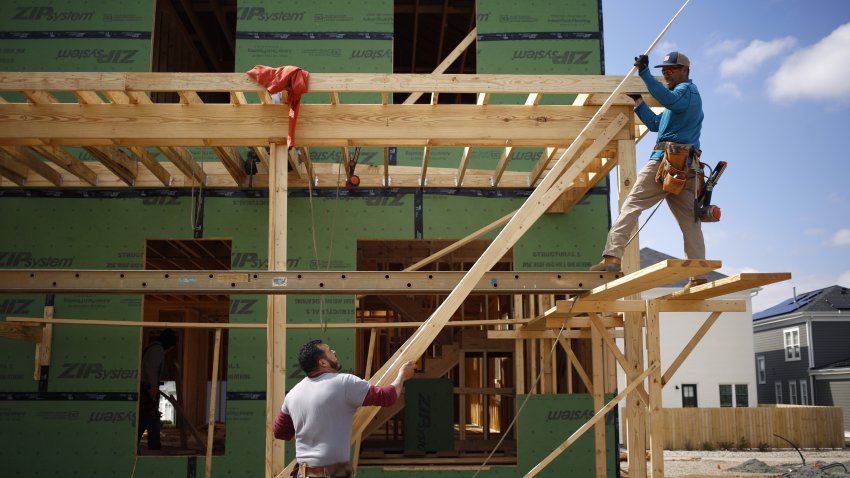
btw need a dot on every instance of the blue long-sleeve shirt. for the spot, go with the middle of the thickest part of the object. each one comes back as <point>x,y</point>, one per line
<point>681,121</point>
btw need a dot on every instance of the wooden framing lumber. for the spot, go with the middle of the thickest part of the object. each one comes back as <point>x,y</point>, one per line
<point>655,405</point>
<point>279,282</point>
<point>37,165</point>
<point>318,125</point>
<point>729,285</point>
<point>657,275</point>
<point>68,162</point>
<point>276,317</point>
<point>447,61</point>
<point>571,357</point>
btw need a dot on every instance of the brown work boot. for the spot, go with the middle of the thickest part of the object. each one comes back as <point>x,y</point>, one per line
<point>695,281</point>
<point>607,264</point>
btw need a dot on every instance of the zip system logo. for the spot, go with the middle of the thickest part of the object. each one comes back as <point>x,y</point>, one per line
<point>49,14</point>
<point>100,55</point>
<point>558,57</point>
<point>25,260</point>
<point>260,14</point>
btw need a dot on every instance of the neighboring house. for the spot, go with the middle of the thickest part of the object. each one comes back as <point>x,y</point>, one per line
<point>802,353</point>
<point>715,374</point>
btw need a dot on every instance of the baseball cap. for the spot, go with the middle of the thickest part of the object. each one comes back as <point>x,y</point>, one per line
<point>674,58</point>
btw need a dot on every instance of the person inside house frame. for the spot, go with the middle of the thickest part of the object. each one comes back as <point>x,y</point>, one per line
<point>153,359</point>
<point>319,411</point>
<point>678,126</point>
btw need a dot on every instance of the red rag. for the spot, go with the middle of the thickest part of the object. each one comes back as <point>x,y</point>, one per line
<point>290,78</point>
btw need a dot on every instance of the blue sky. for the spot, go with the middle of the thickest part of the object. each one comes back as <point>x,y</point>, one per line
<point>774,76</point>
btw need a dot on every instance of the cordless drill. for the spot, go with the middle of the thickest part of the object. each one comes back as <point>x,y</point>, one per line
<point>704,211</point>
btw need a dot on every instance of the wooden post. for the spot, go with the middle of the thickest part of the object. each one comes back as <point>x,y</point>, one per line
<point>276,315</point>
<point>598,392</point>
<point>213,397</point>
<point>656,412</point>
<point>635,420</point>
<point>44,346</point>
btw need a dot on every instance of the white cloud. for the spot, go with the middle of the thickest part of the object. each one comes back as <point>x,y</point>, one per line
<point>816,72</point>
<point>729,89</point>
<point>841,238</point>
<point>665,47</point>
<point>844,279</point>
<point>724,47</point>
<point>753,55</point>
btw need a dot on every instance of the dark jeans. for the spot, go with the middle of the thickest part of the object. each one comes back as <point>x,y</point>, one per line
<point>149,419</point>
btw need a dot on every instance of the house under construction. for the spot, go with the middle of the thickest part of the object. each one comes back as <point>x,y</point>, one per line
<point>444,195</point>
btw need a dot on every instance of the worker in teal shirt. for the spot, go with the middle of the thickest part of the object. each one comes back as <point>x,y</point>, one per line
<point>680,122</point>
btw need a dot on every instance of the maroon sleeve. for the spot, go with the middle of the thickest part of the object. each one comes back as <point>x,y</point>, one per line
<point>380,396</point>
<point>283,429</point>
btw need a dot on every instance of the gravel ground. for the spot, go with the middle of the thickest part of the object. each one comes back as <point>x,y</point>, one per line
<point>774,463</point>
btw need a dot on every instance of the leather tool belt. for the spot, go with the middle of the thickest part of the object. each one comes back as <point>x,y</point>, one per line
<point>337,470</point>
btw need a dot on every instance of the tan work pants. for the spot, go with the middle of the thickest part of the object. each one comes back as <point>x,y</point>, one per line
<point>645,194</point>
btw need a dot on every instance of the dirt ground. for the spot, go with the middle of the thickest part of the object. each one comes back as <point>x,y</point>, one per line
<point>756,464</point>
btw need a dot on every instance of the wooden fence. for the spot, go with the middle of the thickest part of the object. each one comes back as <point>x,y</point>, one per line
<point>805,426</point>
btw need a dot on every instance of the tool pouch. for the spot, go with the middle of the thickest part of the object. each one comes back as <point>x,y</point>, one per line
<point>673,171</point>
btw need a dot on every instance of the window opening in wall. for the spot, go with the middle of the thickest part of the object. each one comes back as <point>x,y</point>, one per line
<point>195,37</point>
<point>183,358</point>
<point>481,390</point>
<point>762,370</point>
<point>689,395</point>
<point>777,388</point>
<point>792,392</point>
<point>792,343</point>
<point>804,393</point>
<point>425,32</point>
<point>742,395</point>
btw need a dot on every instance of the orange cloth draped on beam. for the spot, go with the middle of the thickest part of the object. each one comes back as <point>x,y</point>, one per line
<point>290,78</point>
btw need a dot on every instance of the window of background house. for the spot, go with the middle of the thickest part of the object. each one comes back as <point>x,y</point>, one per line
<point>792,392</point>
<point>804,393</point>
<point>725,395</point>
<point>792,343</point>
<point>762,371</point>
<point>742,396</point>
<point>689,395</point>
<point>778,390</point>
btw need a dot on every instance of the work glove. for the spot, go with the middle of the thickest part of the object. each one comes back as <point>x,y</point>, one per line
<point>641,62</point>
<point>638,98</point>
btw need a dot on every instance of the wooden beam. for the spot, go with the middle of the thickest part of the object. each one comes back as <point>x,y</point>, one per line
<point>504,158</point>
<point>320,82</point>
<point>544,334</point>
<point>319,125</point>
<point>154,166</point>
<point>181,158</point>
<point>572,307</point>
<point>13,170</point>
<point>232,161</point>
<point>35,164</point>
<point>116,161</point>
<point>593,420</point>
<point>68,162</point>
<point>29,333</point>
<point>608,338</point>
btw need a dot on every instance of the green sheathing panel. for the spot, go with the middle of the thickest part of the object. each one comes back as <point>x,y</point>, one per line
<point>331,36</point>
<point>428,415</point>
<point>535,37</point>
<point>89,437</point>
<point>75,35</point>
<point>547,421</point>
<point>558,242</point>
